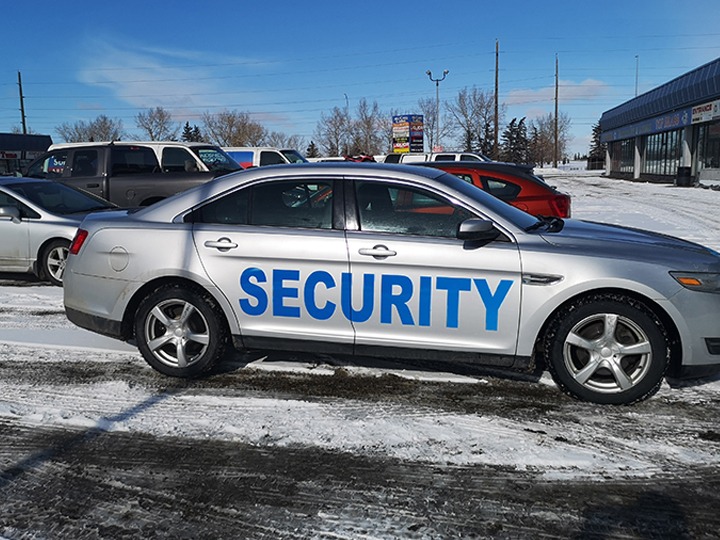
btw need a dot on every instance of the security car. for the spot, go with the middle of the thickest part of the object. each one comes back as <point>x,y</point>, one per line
<point>395,261</point>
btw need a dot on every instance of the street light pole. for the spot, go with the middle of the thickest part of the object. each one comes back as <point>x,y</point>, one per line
<point>437,103</point>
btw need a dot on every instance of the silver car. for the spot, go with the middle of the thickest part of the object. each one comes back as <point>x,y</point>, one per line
<point>38,220</point>
<point>401,262</point>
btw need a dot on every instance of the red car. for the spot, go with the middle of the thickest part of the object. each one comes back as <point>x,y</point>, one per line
<point>514,184</point>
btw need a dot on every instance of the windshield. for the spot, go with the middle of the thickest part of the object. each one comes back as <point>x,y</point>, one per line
<point>216,159</point>
<point>59,198</point>
<point>293,156</point>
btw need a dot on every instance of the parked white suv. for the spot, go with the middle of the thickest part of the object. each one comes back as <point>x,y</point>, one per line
<point>435,156</point>
<point>259,156</point>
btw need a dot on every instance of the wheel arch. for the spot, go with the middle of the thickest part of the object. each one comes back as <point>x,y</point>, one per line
<point>128,318</point>
<point>37,264</point>
<point>670,328</point>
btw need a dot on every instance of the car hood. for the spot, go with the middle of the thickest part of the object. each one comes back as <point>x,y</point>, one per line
<point>628,243</point>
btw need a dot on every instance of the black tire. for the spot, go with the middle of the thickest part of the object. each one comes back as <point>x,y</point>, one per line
<point>53,260</point>
<point>181,331</point>
<point>608,349</point>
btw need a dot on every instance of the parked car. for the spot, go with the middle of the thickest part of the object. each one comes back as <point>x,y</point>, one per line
<point>132,173</point>
<point>387,260</point>
<point>514,184</point>
<point>261,156</point>
<point>434,156</point>
<point>38,219</point>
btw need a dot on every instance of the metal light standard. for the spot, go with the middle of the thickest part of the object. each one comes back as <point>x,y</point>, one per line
<point>437,103</point>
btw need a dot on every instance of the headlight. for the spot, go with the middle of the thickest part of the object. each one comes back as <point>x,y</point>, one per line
<point>698,281</point>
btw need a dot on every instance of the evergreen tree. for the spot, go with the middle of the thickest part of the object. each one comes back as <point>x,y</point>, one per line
<point>312,150</point>
<point>596,158</point>
<point>191,133</point>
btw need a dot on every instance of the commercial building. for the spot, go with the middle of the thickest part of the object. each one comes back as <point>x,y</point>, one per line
<point>668,133</point>
<point>17,150</point>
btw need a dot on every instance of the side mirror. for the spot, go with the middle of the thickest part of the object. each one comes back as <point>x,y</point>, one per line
<point>10,211</point>
<point>477,230</point>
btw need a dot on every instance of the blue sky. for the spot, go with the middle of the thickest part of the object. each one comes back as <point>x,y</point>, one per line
<point>288,62</point>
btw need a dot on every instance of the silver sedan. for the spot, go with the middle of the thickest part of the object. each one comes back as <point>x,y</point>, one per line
<point>38,220</point>
<point>394,261</point>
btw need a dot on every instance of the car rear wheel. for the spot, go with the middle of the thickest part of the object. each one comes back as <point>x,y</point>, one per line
<point>180,331</point>
<point>53,260</point>
<point>607,349</point>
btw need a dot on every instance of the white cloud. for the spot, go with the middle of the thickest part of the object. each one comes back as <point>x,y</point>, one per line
<point>568,91</point>
<point>144,77</point>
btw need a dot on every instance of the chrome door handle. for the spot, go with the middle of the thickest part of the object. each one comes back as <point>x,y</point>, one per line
<point>222,244</point>
<point>379,252</point>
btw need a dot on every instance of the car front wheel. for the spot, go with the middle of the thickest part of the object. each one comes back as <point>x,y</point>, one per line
<point>180,331</point>
<point>53,260</point>
<point>607,349</point>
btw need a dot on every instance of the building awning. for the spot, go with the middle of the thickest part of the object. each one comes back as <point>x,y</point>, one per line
<point>695,87</point>
<point>27,143</point>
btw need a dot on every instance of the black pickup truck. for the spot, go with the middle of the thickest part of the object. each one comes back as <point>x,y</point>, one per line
<point>132,174</point>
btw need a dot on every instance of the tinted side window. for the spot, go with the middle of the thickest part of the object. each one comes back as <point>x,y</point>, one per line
<point>292,203</point>
<point>469,157</point>
<point>52,166</point>
<point>25,211</point>
<point>178,160</point>
<point>445,157</point>
<point>385,207</point>
<point>392,158</point>
<point>232,209</point>
<point>502,189</point>
<point>84,163</point>
<point>271,158</point>
<point>133,160</point>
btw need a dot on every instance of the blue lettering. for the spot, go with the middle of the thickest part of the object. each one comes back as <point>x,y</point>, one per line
<point>324,313</point>
<point>492,301</point>
<point>280,293</point>
<point>388,299</point>
<point>425,300</point>
<point>396,293</point>
<point>368,298</point>
<point>253,290</point>
<point>453,286</point>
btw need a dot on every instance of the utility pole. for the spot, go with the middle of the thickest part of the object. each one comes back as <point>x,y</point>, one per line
<point>22,105</point>
<point>497,128</point>
<point>555,159</point>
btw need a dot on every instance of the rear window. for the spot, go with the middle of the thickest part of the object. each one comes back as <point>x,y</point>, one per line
<point>128,160</point>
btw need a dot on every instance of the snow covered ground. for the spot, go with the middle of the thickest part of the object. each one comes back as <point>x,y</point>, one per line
<point>570,440</point>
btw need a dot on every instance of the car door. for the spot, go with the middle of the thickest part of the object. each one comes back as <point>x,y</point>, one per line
<point>272,249</point>
<point>414,284</point>
<point>86,170</point>
<point>15,245</point>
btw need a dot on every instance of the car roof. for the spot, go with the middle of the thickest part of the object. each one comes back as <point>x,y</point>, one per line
<point>58,146</point>
<point>498,166</point>
<point>5,180</point>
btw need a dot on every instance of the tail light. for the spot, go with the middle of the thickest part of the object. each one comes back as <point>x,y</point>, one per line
<point>78,241</point>
<point>561,205</point>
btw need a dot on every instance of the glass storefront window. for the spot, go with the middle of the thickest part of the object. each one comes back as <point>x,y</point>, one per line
<point>663,153</point>
<point>708,147</point>
<point>622,155</point>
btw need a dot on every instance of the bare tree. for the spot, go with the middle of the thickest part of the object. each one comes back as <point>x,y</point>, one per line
<point>366,135</point>
<point>473,117</point>
<point>233,128</point>
<point>332,132</point>
<point>281,140</point>
<point>100,129</point>
<point>157,124</point>
<point>542,138</point>
<point>386,131</point>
